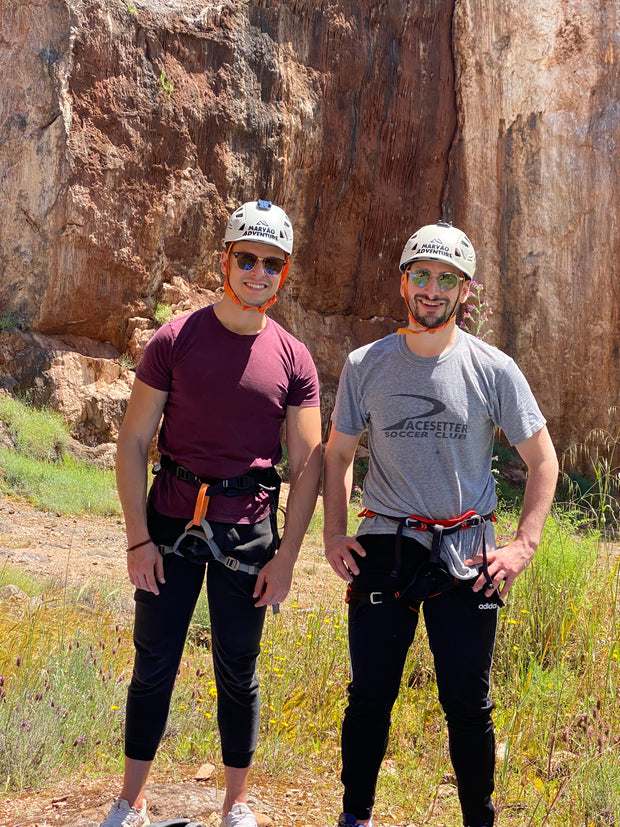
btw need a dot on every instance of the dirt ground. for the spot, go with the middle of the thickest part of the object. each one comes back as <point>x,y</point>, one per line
<point>59,547</point>
<point>305,801</point>
<point>86,549</point>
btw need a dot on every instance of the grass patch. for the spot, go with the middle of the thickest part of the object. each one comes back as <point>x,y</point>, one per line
<point>304,671</point>
<point>66,487</point>
<point>64,664</point>
<point>37,433</point>
<point>39,469</point>
<point>590,479</point>
<point>24,581</point>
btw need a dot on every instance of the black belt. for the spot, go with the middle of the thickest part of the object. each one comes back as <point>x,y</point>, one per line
<point>254,480</point>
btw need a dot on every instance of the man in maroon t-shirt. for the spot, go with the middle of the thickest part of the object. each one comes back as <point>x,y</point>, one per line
<point>225,379</point>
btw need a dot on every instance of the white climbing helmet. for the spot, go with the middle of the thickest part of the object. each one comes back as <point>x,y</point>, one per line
<point>440,242</point>
<point>260,221</point>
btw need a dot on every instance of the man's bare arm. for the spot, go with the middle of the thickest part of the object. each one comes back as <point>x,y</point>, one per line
<point>144,564</point>
<point>505,563</point>
<point>303,443</point>
<point>337,482</point>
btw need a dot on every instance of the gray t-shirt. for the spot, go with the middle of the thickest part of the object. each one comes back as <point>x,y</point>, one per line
<point>431,424</point>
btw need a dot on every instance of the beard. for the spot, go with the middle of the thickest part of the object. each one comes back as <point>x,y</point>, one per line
<point>432,318</point>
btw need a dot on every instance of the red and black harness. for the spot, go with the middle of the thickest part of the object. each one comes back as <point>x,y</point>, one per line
<point>439,529</point>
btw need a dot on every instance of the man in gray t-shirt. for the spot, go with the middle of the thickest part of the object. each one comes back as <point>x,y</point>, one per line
<point>430,398</point>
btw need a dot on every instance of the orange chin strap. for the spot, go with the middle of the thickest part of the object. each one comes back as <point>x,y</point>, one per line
<point>422,327</point>
<point>230,292</point>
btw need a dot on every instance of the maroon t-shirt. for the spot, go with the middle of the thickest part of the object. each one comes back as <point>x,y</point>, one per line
<point>227,400</point>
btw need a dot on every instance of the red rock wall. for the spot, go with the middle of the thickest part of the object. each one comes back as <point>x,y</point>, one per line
<point>363,120</point>
<point>537,93</point>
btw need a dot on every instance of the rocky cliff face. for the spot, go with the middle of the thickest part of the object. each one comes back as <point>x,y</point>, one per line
<point>537,92</point>
<point>129,131</point>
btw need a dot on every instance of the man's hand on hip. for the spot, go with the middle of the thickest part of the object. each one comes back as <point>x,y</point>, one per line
<point>504,564</point>
<point>340,552</point>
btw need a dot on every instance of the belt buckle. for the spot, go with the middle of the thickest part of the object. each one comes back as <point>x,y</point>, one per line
<point>242,482</point>
<point>231,563</point>
<point>376,598</point>
<point>184,474</point>
<point>418,525</point>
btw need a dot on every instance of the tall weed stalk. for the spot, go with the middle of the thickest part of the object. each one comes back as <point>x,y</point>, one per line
<point>595,493</point>
<point>63,672</point>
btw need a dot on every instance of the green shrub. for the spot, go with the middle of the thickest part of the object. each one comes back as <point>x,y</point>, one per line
<point>162,313</point>
<point>40,434</point>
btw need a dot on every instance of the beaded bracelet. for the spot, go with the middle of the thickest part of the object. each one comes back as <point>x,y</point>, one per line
<point>139,545</point>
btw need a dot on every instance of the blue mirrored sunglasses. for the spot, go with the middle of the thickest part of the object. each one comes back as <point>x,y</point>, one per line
<point>247,261</point>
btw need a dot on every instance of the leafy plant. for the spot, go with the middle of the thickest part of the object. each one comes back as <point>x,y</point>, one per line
<point>126,362</point>
<point>166,85</point>
<point>9,320</point>
<point>162,313</point>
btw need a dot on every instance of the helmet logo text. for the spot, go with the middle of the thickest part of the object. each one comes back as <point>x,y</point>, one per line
<point>260,229</point>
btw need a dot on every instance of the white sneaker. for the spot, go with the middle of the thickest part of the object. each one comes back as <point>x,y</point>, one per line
<point>122,815</point>
<point>239,816</point>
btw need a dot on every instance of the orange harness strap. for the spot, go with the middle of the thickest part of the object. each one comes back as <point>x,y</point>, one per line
<point>202,503</point>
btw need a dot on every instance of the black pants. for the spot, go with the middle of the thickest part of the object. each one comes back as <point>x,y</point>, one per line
<point>461,627</point>
<point>160,630</point>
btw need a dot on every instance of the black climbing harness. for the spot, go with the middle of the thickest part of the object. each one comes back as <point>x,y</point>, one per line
<point>431,562</point>
<point>252,482</point>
